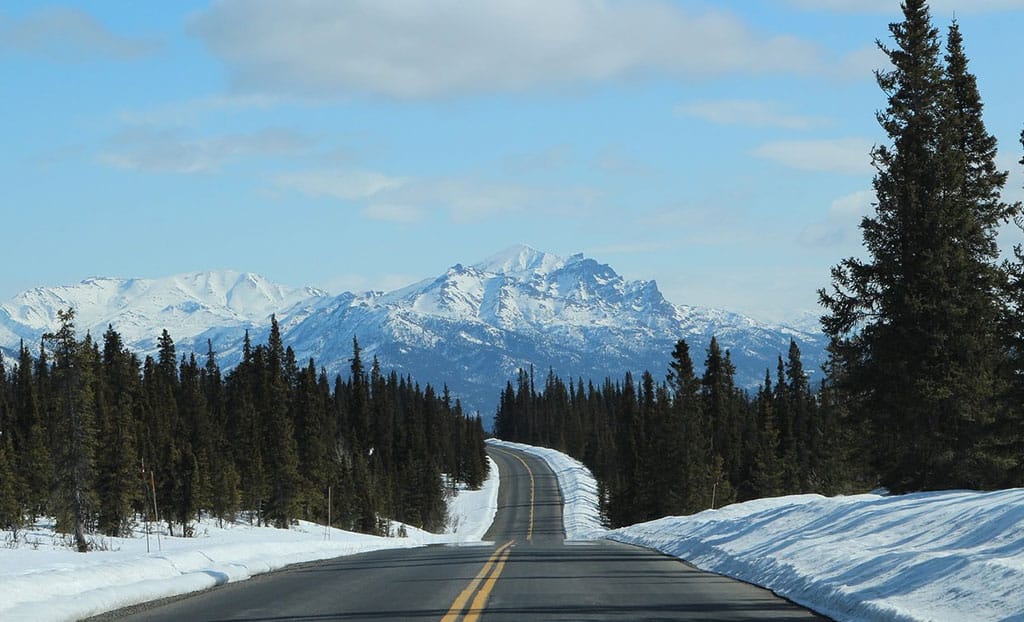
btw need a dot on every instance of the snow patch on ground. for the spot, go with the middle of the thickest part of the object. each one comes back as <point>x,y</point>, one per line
<point>954,555</point>
<point>42,579</point>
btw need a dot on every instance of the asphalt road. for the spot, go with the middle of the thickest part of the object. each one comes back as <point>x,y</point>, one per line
<point>528,573</point>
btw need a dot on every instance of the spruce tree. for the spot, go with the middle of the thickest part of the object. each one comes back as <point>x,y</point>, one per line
<point>279,445</point>
<point>911,325</point>
<point>117,462</point>
<point>73,381</point>
<point>11,516</point>
<point>34,465</point>
<point>767,467</point>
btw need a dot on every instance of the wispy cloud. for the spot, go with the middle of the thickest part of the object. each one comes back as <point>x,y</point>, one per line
<point>410,199</point>
<point>752,113</point>
<point>171,151</point>
<point>616,160</point>
<point>851,156</point>
<point>69,35</point>
<point>324,48</point>
<point>347,185</point>
<point>841,223</point>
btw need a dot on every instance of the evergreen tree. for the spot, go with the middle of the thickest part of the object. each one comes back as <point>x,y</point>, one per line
<point>33,464</point>
<point>911,326</point>
<point>767,475</point>
<point>280,449</point>
<point>73,382</point>
<point>802,416</point>
<point>11,516</point>
<point>721,419</point>
<point>117,462</point>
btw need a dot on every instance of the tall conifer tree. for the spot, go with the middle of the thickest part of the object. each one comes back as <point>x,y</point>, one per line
<point>911,326</point>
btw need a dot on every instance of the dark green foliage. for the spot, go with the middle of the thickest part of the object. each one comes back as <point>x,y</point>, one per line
<point>74,373</point>
<point>117,466</point>
<point>681,446</point>
<point>915,357</point>
<point>11,515</point>
<point>269,437</point>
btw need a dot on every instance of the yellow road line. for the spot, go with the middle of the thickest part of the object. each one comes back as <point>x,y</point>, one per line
<point>480,602</point>
<point>463,597</point>
<point>529,529</point>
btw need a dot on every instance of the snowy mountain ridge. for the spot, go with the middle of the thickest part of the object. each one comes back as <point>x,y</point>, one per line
<point>471,328</point>
<point>186,305</point>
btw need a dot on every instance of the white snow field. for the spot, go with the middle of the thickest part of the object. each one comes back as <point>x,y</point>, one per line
<point>43,579</point>
<point>942,556</point>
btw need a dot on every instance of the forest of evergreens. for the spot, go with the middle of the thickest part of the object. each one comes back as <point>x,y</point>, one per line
<point>93,436</point>
<point>684,443</point>
<point>924,385</point>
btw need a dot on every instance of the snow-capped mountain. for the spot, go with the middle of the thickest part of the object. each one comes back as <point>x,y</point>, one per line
<point>471,328</point>
<point>191,307</point>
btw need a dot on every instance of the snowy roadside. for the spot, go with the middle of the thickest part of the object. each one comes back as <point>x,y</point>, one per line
<point>956,555</point>
<point>581,514</point>
<point>40,579</point>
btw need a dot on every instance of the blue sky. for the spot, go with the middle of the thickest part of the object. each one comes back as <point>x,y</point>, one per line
<point>720,148</point>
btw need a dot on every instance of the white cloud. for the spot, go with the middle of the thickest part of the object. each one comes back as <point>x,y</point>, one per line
<point>169,151</point>
<point>346,185</point>
<point>68,35</point>
<point>749,112</point>
<point>841,222</point>
<point>938,7</point>
<point>864,62</point>
<point>417,49</point>
<point>851,156</point>
<point>408,199</point>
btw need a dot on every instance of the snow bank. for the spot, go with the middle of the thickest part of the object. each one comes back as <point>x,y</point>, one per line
<point>41,579</point>
<point>471,513</point>
<point>927,556</point>
<point>581,514</point>
<point>956,555</point>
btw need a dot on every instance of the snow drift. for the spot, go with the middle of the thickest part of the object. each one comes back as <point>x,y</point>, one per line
<point>956,555</point>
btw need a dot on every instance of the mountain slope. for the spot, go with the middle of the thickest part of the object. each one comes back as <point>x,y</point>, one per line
<point>186,305</point>
<point>475,326</point>
<point>471,328</point>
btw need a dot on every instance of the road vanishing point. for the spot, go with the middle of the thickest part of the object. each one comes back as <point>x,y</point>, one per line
<point>526,570</point>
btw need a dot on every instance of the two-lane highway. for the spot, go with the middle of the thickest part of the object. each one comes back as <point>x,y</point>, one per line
<point>528,573</point>
<point>546,578</point>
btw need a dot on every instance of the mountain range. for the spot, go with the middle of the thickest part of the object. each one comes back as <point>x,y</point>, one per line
<point>471,328</point>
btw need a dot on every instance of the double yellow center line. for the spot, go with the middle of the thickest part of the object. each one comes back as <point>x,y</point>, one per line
<point>479,589</point>
<point>533,490</point>
<point>488,575</point>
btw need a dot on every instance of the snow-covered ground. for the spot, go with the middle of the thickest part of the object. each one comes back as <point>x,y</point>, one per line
<point>42,578</point>
<point>954,556</point>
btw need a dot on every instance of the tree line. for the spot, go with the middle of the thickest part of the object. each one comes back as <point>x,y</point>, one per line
<point>92,436</point>
<point>683,443</point>
<point>924,383</point>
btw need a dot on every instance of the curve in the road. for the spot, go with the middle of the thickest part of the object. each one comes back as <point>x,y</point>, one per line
<point>528,572</point>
